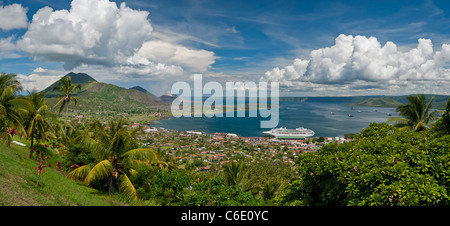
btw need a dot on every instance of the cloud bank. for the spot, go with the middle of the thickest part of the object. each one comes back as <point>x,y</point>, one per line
<point>91,32</point>
<point>39,79</point>
<point>13,17</point>
<point>101,33</point>
<point>364,63</point>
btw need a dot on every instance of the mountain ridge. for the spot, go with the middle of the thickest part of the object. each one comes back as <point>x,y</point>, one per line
<point>77,78</point>
<point>98,96</point>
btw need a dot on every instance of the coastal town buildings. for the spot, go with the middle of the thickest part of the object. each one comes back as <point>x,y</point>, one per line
<point>205,152</point>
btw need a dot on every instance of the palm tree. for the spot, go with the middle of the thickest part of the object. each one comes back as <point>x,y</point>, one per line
<point>9,117</point>
<point>416,114</point>
<point>34,110</point>
<point>118,154</point>
<point>270,188</point>
<point>66,88</point>
<point>236,173</point>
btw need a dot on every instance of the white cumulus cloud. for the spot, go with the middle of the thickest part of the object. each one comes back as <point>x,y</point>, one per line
<point>40,79</point>
<point>95,34</point>
<point>13,17</point>
<point>170,53</point>
<point>366,60</point>
<point>92,32</point>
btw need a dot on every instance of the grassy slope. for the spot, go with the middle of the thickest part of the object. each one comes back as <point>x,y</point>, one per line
<point>19,183</point>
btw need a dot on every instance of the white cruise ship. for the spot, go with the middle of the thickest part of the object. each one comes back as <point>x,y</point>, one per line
<point>283,133</point>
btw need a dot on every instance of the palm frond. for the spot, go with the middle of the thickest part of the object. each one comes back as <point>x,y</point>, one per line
<point>80,173</point>
<point>126,186</point>
<point>42,108</point>
<point>75,100</point>
<point>400,122</point>
<point>137,164</point>
<point>142,154</point>
<point>420,126</point>
<point>416,113</point>
<point>60,103</point>
<point>100,171</point>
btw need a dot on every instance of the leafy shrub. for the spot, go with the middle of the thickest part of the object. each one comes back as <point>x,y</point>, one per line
<point>214,193</point>
<point>77,156</point>
<point>165,187</point>
<point>383,166</point>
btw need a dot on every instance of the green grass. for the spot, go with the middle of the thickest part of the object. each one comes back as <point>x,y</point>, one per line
<point>21,186</point>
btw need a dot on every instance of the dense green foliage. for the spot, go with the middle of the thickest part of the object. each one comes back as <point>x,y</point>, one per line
<point>21,186</point>
<point>416,114</point>
<point>383,166</point>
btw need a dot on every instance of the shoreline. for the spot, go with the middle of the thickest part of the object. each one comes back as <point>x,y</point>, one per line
<point>240,136</point>
<point>338,126</point>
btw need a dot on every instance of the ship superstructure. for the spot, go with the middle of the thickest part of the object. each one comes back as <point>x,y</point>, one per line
<point>283,133</point>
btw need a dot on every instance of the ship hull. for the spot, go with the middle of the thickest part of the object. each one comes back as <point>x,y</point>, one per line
<point>283,133</point>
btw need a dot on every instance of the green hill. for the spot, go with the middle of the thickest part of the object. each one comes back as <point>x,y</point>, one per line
<point>77,78</point>
<point>379,102</point>
<point>20,184</point>
<point>115,98</point>
<point>139,88</point>
<point>371,101</point>
<point>98,97</point>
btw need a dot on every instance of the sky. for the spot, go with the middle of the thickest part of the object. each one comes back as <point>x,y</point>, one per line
<point>312,48</point>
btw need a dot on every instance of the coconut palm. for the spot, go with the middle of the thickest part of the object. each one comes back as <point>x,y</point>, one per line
<point>66,88</point>
<point>118,154</point>
<point>34,111</point>
<point>270,188</point>
<point>9,117</point>
<point>416,113</point>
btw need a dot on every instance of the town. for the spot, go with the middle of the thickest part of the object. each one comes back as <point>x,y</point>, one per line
<point>201,151</point>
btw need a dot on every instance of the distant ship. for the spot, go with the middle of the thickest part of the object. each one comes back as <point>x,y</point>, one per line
<point>283,133</point>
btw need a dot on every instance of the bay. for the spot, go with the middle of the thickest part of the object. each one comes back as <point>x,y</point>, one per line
<point>312,115</point>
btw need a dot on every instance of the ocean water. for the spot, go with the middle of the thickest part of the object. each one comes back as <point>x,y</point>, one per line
<point>311,115</point>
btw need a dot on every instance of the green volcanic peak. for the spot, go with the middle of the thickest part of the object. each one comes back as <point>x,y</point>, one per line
<point>106,97</point>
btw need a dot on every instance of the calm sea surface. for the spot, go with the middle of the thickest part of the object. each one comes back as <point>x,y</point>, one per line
<point>311,115</point>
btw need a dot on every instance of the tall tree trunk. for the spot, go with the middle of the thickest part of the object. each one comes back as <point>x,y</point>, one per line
<point>115,174</point>
<point>65,123</point>
<point>31,144</point>
<point>111,185</point>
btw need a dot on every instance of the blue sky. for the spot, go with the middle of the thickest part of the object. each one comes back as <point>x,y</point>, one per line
<point>313,48</point>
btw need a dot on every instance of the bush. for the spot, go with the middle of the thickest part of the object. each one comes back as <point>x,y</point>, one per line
<point>442,126</point>
<point>77,156</point>
<point>214,193</point>
<point>383,166</point>
<point>165,187</point>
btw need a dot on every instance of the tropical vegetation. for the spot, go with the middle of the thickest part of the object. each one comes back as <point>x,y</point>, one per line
<point>383,165</point>
<point>117,152</point>
<point>416,113</point>
<point>66,88</point>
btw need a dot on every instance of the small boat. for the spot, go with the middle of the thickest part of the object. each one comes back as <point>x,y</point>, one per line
<point>350,115</point>
<point>388,114</point>
<point>331,113</point>
<point>359,111</point>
